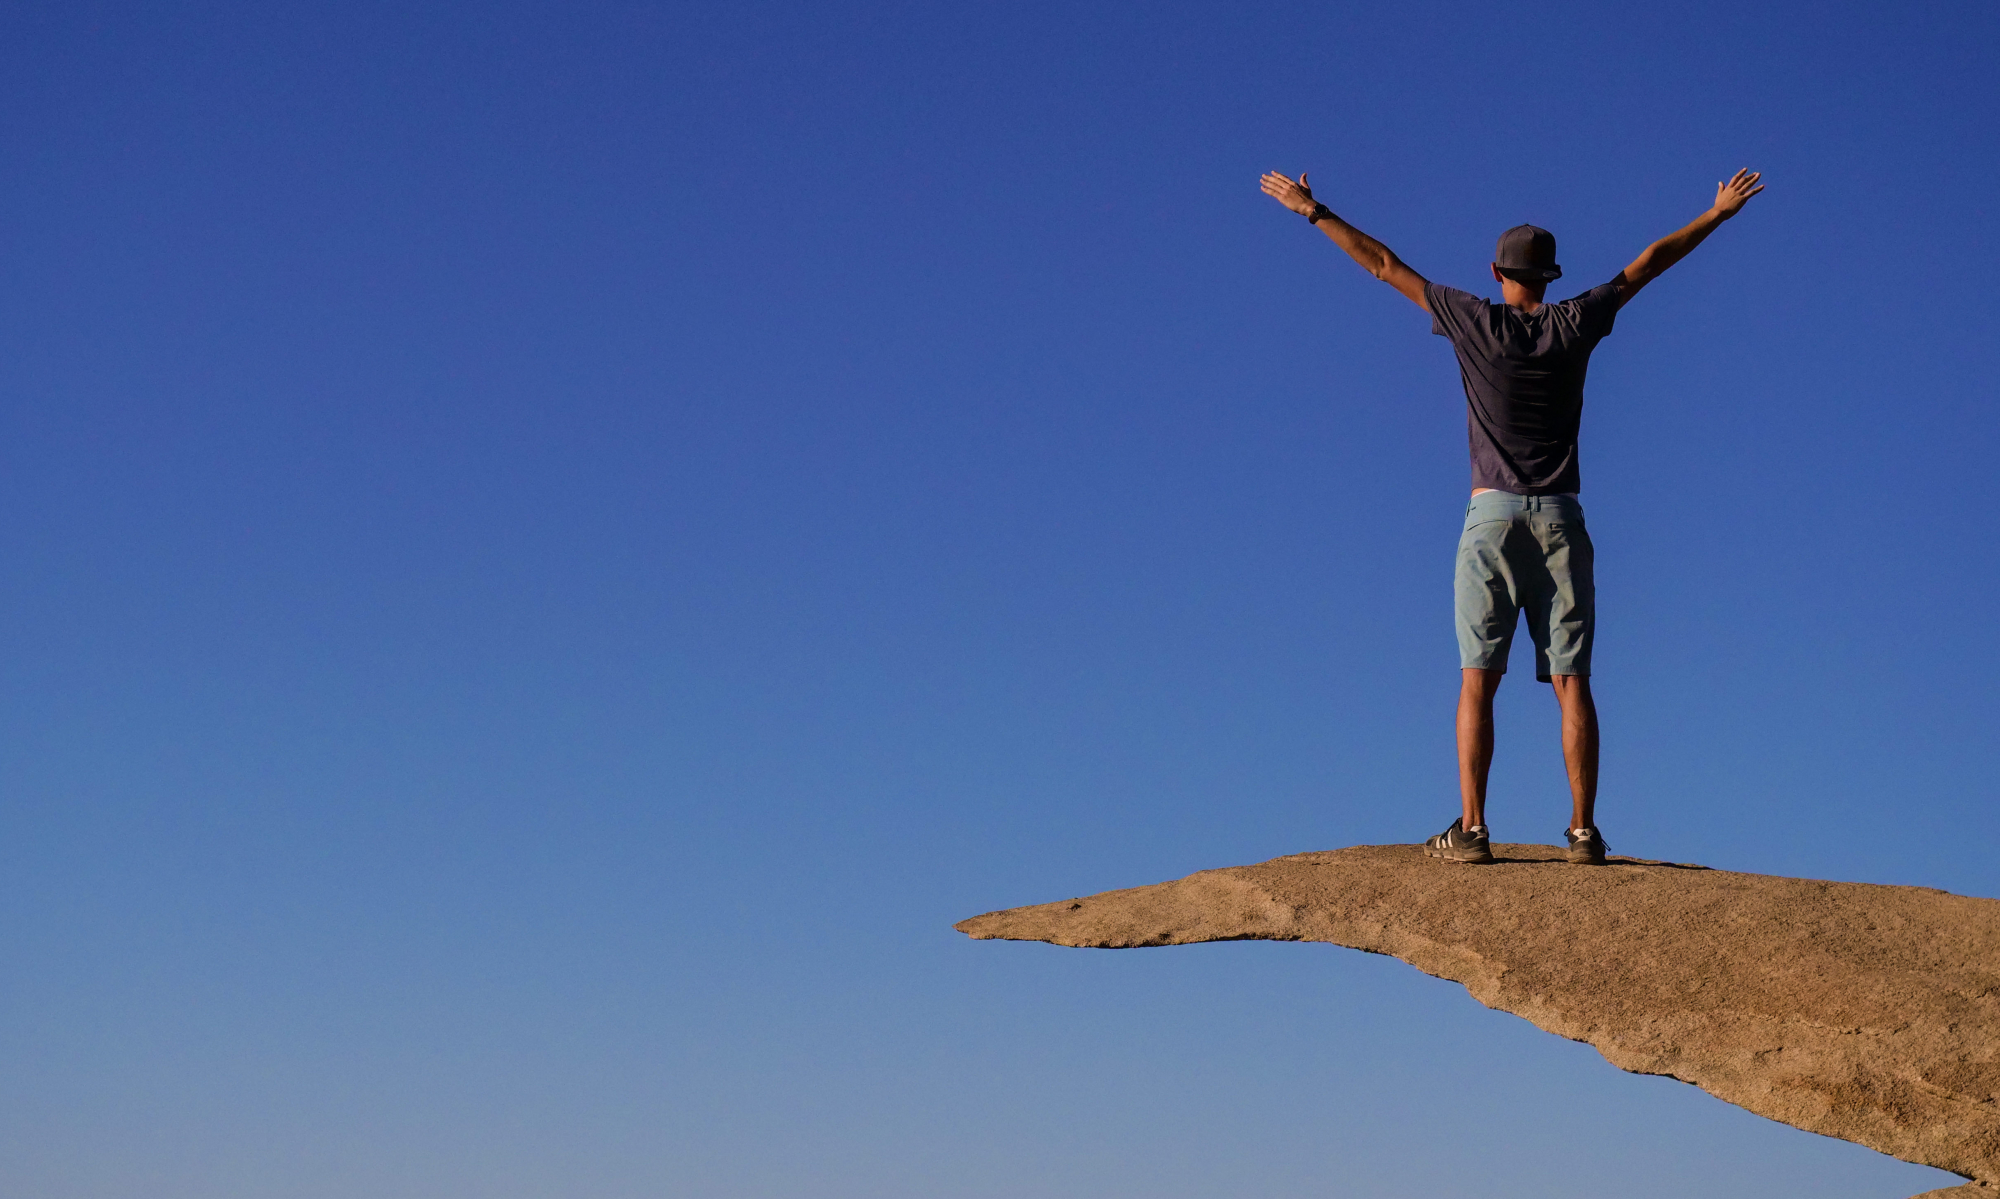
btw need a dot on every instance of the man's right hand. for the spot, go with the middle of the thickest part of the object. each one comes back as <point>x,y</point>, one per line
<point>1730,197</point>
<point>1293,194</point>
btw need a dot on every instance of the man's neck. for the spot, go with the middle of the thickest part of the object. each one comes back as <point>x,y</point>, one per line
<point>1515,295</point>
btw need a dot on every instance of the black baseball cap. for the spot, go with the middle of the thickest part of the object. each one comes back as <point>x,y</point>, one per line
<point>1529,252</point>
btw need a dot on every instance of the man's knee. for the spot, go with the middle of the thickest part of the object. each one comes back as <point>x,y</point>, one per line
<point>1480,682</point>
<point>1572,689</point>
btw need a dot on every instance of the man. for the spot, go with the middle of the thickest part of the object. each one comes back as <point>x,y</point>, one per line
<point>1524,546</point>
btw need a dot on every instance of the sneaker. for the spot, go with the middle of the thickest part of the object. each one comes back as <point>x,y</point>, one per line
<point>1586,846</point>
<point>1457,844</point>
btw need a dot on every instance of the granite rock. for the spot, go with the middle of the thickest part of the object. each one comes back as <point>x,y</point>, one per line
<point>1859,1011</point>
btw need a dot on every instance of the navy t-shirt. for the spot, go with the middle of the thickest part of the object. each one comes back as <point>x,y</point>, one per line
<point>1523,376</point>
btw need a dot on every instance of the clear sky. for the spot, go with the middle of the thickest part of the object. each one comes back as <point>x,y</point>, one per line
<point>549,551</point>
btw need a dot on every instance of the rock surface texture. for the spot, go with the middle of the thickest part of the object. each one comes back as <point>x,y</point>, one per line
<point>1864,1012</point>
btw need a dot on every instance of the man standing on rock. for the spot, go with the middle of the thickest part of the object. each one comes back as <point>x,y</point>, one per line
<point>1524,547</point>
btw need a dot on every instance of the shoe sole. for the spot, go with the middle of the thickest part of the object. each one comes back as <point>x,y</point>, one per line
<point>1584,857</point>
<point>1470,857</point>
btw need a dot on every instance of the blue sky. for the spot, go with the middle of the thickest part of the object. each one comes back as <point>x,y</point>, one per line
<point>552,550</point>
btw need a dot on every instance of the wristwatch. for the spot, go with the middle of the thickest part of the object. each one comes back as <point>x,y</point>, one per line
<point>1319,213</point>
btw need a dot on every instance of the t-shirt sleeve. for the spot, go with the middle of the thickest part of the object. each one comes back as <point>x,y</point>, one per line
<point>1452,310</point>
<point>1599,309</point>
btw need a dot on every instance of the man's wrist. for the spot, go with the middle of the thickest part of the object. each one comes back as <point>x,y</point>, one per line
<point>1317,213</point>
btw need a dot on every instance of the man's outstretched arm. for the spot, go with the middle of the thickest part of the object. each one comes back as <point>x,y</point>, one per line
<point>1730,197</point>
<point>1374,257</point>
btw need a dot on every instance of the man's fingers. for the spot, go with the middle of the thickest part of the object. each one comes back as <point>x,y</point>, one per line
<point>1742,185</point>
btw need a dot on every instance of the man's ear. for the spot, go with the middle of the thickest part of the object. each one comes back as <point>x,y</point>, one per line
<point>1497,276</point>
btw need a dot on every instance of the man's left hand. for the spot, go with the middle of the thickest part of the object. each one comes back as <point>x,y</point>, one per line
<point>1293,194</point>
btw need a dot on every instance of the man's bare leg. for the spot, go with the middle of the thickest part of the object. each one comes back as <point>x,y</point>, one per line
<point>1475,740</point>
<point>1579,717</point>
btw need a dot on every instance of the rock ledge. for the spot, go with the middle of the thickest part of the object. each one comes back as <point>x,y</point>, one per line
<point>1858,1011</point>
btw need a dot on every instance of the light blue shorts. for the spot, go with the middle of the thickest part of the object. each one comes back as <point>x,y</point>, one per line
<point>1525,554</point>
